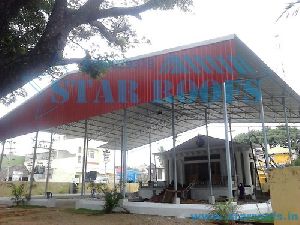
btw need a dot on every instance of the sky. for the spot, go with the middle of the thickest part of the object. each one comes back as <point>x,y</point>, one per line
<point>254,22</point>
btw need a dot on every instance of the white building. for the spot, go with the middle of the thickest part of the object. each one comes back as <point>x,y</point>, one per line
<point>192,167</point>
<point>66,161</point>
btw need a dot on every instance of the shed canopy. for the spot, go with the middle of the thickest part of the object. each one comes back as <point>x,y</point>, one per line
<point>144,86</point>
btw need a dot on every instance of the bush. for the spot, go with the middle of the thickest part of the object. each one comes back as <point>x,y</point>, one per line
<point>18,192</point>
<point>224,212</point>
<point>112,199</point>
<point>296,162</point>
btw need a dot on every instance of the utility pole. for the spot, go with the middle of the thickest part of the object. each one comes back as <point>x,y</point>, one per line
<point>11,142</point>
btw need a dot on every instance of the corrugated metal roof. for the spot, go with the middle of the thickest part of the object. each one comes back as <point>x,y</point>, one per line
<point>105,119</point>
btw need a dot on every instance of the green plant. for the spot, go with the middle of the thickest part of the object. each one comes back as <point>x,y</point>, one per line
<point>18,192</point>
<point>296,162</point>
<point>224,212</point>
<point>112,199</point>
<point>98,188</point>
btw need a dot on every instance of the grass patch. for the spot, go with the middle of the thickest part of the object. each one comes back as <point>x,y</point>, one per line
<point>86,211</point>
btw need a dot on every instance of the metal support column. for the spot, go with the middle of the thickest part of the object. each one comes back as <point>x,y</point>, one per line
<point>33,164</point>
<point>174,147</point>
<point>208,155</point>
<point>232,155</point>
<point>121,167</point>
<point>49,161</point>
<point>124,151</point>
<point>150,159</point>
<point>86,159</point>
<point>115,168</point>
<point>228,158</point>
<point>2,154</point>
<point>83,159</point>
<point>262,117</point>
<point>287,129</point>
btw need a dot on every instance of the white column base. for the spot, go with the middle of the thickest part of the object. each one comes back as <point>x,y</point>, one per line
<point>211,200</point>
<point>123,201</point>
<point>176,200</point>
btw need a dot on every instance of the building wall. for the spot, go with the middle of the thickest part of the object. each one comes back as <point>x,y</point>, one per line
<point>65,166</point>
<point>285,195</point>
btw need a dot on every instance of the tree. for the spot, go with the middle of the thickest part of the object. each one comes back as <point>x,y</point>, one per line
<point>275,137</point>
<point>34,34</point>
<point>291,9</point>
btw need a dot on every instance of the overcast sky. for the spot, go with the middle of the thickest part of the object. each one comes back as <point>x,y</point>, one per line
<point>276,43</point>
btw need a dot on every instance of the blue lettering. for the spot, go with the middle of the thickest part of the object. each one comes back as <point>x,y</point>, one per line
<point>108,98</point>
<point>122,91</point>
<point>214,64</point>
<point>252,91</point>
<point>60,91</point>
<point>173,65</point>
<point>200,60</point>
<point>191,64</point>
<point>132,91</point>
<point>81,95</point>
<point>224,63</point>
<point>159,93</point>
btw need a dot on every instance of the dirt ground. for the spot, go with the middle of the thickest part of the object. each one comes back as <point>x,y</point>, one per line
<point>55,216</point>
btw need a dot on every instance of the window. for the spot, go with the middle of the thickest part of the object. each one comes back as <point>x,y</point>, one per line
<point>92,154</point>
<point>79,150</point>
<point>79,159</point>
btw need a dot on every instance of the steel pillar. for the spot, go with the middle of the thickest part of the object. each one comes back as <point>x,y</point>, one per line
<point>150,159</point>
<point>2,154</point>
<point>262,117</point>
<point>86,159</point>
<point>33,164</point>
<point>232,155</point>
<point>208,155</point>
<point>83,158</point>
<point>228,158</point>
<point>174,147</point>
<point>115,168</point>
<point>124,152</point>
<point>287,129</point>
<point>49,160</point>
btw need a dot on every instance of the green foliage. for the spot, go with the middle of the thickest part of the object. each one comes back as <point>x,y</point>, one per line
<point>112,199</point>
<point>95,68</point>
<point>224,210</point>
<point>18,192</point>
<point>275,136</point>
<point>291,9</point>
<point>26,28</point>
<point>36,33</point>
<point>296,162</point>
<point>99,187</point>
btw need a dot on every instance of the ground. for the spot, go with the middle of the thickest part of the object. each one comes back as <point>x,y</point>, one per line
<point>55,216</point>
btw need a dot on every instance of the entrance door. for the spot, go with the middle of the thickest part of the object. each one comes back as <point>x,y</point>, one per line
<point>196,173</point>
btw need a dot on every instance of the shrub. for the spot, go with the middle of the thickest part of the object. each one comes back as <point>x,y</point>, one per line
<point>296,162</point>
<point>112,199</point>
<point>224,212</point>
<point>18,192</point>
